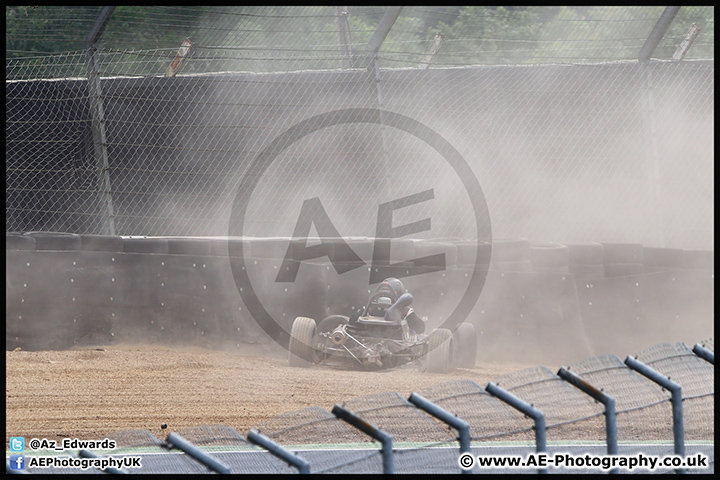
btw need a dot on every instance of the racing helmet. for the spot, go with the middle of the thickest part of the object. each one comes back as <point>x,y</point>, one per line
<point>392,285</point>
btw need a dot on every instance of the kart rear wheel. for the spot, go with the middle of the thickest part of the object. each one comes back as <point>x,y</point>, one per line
<point>440,351</point>
<point>328,324</point>
<point>301,336</point>
<point>466,344</point>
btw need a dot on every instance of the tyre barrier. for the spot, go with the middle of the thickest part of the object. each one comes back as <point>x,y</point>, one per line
<point>56,241</point>
<point>18,241</point>
<point>506,250</point>
<point>549,257</point>
<point>101,243</point>
<point>103,289</point>
<point>699,259</point>
<point>585,253</point>
<point>615,253</point>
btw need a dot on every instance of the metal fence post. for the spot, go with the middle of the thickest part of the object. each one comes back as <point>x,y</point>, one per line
<point>527,409</point>
<point>97,113</point>
<point>605,399</point>
<point>176,441</point>
<point>383,437</point>
<point>662,26</point>
<point>704,353</point>
<point>443,415</point>
<point>676,399</point>
<point>268,444</point>
<point>373,67</point>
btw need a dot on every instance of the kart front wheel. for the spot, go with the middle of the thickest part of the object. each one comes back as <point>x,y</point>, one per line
<point>301,336</point>
<point>440,351</point>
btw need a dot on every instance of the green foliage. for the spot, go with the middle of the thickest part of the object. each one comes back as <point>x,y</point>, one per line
<point>278,38</point>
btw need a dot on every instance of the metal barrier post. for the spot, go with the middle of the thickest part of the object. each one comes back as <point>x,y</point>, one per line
<point>527,409</point>
<point>704,353</point>
<point>676,399</point>
<point>605,399</point>
<point>176,441</point>
<point>440,413</point>
<point>384,437</point>
<point>271,446</point>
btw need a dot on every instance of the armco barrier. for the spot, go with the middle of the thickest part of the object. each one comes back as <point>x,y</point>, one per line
<point>64,289</point>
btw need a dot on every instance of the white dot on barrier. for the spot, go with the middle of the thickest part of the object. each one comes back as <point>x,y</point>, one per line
<point>589,303</point>
<point>203,310</point>
<point>204,287</point>
<point>24,285</point>
<point>112,259</point>
<point>73,299</point>
<point>112,279</point>
<point>28,264</point>
<point>193,265</point>
<point>162,304</point>
<point>72,280</point>
<point>162,263</point>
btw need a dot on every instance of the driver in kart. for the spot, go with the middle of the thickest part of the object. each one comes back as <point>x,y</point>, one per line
<point>393,289</point>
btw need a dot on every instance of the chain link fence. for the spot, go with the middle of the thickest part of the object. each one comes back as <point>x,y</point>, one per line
<point>570,137</point>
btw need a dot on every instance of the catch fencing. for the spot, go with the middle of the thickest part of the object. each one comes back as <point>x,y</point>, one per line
<point>571,137</point>
<point>323,442</point>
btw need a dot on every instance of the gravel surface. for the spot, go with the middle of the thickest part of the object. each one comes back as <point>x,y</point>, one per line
<point>89,393</point>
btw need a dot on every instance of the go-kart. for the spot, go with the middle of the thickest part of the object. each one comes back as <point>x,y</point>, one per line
<point>380,339</point>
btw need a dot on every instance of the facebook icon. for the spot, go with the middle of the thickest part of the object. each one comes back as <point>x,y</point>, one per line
<point>17,462</point>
